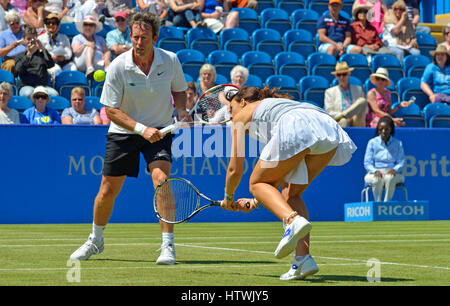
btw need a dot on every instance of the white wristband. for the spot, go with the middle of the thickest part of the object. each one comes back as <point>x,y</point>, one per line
<point>139,128</point>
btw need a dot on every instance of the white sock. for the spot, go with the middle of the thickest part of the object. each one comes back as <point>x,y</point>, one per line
<point>167,238</point>
<point>97,231</point>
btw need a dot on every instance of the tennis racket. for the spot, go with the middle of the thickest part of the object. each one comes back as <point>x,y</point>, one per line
<point>207,109</point>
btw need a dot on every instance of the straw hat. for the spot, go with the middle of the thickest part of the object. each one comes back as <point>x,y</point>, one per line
<point>89,19</point>
<point>381,73</point>
<point>440,49</point>
<point>357,8</point>
<point>52,16</point>
<point>342,67</point>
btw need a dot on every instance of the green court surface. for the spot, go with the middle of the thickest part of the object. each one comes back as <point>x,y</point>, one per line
<point>228,254</point>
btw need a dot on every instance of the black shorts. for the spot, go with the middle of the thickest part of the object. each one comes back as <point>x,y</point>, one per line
<point>122,153</point>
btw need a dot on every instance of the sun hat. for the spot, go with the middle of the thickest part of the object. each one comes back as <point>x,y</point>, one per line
<point>89,19</point>
<point>440,49</point>
<point>52,16</point>
<point>357,8</point>
<point>39,89</point>
<point>342,67</point>
<point>381,73</point>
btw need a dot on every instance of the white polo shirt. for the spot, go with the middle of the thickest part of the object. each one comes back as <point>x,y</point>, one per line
<point>146,99</point>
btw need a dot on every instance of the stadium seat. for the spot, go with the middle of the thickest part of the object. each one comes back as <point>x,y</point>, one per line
<point>305,19</point>
<point>360,64</point>
<point>20,103</point>
<point>426,43</point>
<point>58,103</point>
<point>191,61</point>
<point>68,29</point>
<point>93,102</point>
<point>412,116</point>
<point>254,80</point>
<point>409,87</point>
<point>263,4</point>
<point>433,110</point>
<point>236,40</point>
<point>320,6</point>
<point>7,76</point>
<point>277,19</point>
<point>267,40</point>
<point>202,39</point>
<point>289,5</point>
<point>66,80</point>
<point>440,121</point>
<point>286,84</point>
<point>414,65</point>
<point>291,64</point>
<point>248,19</point>
<point>321,64</point>
<point>171,38</point>
<point>347,6</point>
<point>258,63</point>
<point>313,88</point>
<point>367,187</point>
<point>390,62</point>
<point>299,41</point>
<point>223,61</point>
<point>106,28</point>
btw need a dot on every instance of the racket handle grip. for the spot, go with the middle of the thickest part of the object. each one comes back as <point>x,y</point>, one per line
<point>168,129</point>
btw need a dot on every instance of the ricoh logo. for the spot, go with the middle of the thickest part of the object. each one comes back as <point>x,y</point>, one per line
<point>401,210</point>
<point>361,211</point>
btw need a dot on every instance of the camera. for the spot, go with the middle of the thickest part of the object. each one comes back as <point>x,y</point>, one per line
<point>33,41</point>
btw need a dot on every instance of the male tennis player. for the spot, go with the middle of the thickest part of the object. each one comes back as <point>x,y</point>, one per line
<point>136,94</point>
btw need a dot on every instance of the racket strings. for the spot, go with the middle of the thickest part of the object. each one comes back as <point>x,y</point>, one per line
<point>176,200</point>
<point>209,104</point>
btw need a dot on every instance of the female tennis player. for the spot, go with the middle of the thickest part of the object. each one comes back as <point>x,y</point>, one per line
<point>301,140</point>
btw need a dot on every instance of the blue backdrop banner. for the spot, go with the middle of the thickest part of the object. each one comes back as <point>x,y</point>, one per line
<point>51,174</point>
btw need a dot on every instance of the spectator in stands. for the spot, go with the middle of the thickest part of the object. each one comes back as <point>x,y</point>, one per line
<point>10,41</point>
<point>191,95</point>
<point>58,45</point>
<point>379,99</point>
<point>7,115</point>
<point>89,49</point>
<point>384,160</point>
<point>5,6</point>
<point>157,7</point>
<point>207,78</point>
<point>78,114</point>
<point>335,32</point>
<point>114,6</point>
<point>399,34</point>
<point>435,81</point>
<point>40,113</point>
<point>20,5</point>
<point>412,7</point>
<point>58,7</point>
<point>185,13</point>
<point>364,34</point>
<point>103,117</point>
<point>32,65</point>
<point>446,36</point>
<point>345,102</point>
<point>253,4</point>
<point>35,14</point>
<point>239,76</point>
<point>118,40</point>
<point>218,15</point>
<point>375,14</point>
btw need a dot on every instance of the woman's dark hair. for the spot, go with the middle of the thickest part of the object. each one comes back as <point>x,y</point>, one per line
<point>447,62</point>
<point>388,120</point>
<point>253,94</point>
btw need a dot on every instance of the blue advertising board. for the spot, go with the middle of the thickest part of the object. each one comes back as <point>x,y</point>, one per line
<point>51,174</point>
<point>386,211</point>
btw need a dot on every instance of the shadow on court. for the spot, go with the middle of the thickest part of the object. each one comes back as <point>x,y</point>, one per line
<point>318,278</point>
<point>187,262</point>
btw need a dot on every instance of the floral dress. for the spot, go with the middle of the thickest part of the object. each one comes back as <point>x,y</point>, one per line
<point>383,102</point>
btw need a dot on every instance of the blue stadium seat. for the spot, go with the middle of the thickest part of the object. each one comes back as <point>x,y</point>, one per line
<point>7,76</point>
<point>286,85</point>
<point>434,110</point>
<point>236,40</point>
<point>291,64</point>
<point>412,115</point>
<point>410,87</point>
<point>313,88</point>
<point>171,38</point>
<point>299,41</point>
<point>223,61</point>
<point>440,121</point>
<point>248,19</point>
<point>188,78</point>
<point>320,6</point>
<point>66,80</point>
<point>68,29</point>
<point>93,102</point>
<point>289,5</point>
<point>267,40</point>
<point>426,43</point>
<point>106,28</point>
<point>202,39</point>
<point>254,80</point>
<point>58,103</point>
<point>191,61</point>
<point>20,103</point>
<point>360,64</point>
<point>322,64</point>
<point>414,65</point>
<point>258,63</point>
<point>263,4</point>
<point>277,19</point>
<point>390,62</point>
<point>305,19</point>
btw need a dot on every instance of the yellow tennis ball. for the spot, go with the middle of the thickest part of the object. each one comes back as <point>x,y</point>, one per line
<point>99,76</point>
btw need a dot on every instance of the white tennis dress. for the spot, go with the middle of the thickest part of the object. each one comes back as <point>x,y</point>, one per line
<point>288,127</point>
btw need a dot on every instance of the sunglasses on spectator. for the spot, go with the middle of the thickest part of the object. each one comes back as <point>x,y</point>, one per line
<point>341,74</point>
<point>379,79</point>
<point>446,33</point>
<point>88,25</point>
<point>398,9</point>
<point>14,23</point>
<point>40,96</point>
<point>52,23</point>
<point>120,19</point>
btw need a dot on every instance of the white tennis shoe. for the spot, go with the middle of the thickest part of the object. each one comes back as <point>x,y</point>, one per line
<point>89,248</point>
<point>295,231</point>
<point>167,256</point>
<point>301,269</point>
